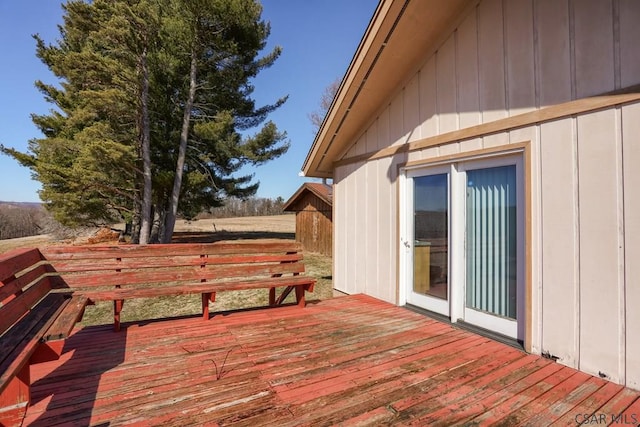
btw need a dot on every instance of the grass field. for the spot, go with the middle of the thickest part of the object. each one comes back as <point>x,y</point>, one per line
<point>279,227</point>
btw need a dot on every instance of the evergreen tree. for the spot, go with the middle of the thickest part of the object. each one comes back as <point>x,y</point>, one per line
<point>223,39</point>
<point>87,137</point>
<point>89,159</point>
<point>152,100</point>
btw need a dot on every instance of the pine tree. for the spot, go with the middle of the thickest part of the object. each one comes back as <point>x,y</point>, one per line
<point>152,101</point>
<point>223,39</point>
<point>88,161</point>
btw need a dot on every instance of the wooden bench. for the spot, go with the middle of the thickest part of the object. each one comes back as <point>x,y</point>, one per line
<point>34,321</point>
<point>123,272</point>
<point>43,293</point>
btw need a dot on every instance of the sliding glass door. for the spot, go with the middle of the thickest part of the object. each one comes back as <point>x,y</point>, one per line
<point>464,242</point>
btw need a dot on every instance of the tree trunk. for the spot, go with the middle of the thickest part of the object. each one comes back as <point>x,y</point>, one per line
<point>145,143</point>
<point>170,220</point>
<point>157,230</point>
<point>135,219</point>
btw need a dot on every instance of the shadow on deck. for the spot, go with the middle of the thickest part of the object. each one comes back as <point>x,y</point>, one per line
<point>352,360</point>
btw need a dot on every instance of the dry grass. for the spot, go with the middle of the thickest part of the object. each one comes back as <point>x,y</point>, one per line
<point>276,226</point>
<point>7,245</point>
<point>207,230</point>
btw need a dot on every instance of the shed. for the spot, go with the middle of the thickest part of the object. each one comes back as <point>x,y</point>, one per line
<point>313,206</point>
<point>484,161</point>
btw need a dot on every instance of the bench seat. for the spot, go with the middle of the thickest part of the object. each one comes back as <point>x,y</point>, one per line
<point>33,324</point>
<point>125,292</point>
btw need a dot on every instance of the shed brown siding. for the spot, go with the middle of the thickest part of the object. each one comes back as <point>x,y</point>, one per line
<point>314,226</point>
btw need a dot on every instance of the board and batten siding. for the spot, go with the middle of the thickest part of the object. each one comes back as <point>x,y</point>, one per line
<point>507,58</point>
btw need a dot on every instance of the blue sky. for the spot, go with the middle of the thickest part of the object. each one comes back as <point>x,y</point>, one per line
<point>319,38</point>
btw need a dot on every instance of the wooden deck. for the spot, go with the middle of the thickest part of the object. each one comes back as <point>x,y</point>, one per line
<point>349,360</point>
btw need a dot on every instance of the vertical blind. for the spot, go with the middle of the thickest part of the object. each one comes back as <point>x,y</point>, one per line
<point>491,229</point>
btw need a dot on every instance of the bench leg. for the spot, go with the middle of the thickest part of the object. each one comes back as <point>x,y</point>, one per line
<point>117,308</point>
<point>272,296</point>
<point>206,297</point>
<point>300,295</point>
<point>15,398</point>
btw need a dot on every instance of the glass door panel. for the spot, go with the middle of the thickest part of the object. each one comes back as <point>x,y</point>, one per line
<point>491,246</point>
<point>431,230</point>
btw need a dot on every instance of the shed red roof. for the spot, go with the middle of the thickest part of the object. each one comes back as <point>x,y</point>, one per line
<point>321,190</point>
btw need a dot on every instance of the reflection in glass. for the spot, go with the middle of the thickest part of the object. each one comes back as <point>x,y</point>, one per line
<point>431,243</point>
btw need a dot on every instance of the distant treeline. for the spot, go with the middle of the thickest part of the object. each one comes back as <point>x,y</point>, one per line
<point>21,220</point>
<point>254,206</point>
<point>30,219</point>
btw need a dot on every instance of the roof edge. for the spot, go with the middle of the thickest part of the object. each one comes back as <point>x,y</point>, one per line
<point>357,61</point>
<point>311,187</point>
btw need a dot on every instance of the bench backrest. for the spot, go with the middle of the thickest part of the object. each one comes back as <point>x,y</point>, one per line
<point>23,282</point>
<point>95,267</point>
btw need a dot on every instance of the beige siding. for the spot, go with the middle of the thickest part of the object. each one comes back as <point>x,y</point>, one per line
<point>359,240</point>
<point>371,249</point>
<point>339,229</point>
<point>586,228</point>
<point>509,57</point>
<point>594,50</point>
<point>372,137</point>
<point>446,91</point>
<point>506,58</point>
<point>345,248</point>
<point>520,51</point>
<point>359,147</point>
<point>467,72</point>
<point>631,150</point>
<point>411,109</point>
<point>628,67</point>
<point>397,131</point>
<point>386,230</point>
<point>428,99</point>
<point>600,276</point>
<point>383,128</point>
<point>471,144</point>
<point>553,52</point>
<point>364,259</point>
<point>353,244</point>
<point>560,241</point>
<point>495,140</point>
<point>446,150</point>
<point>491,59</point>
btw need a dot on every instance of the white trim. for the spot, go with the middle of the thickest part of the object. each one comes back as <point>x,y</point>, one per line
<point>457,252</point>
<point>402,238</point>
